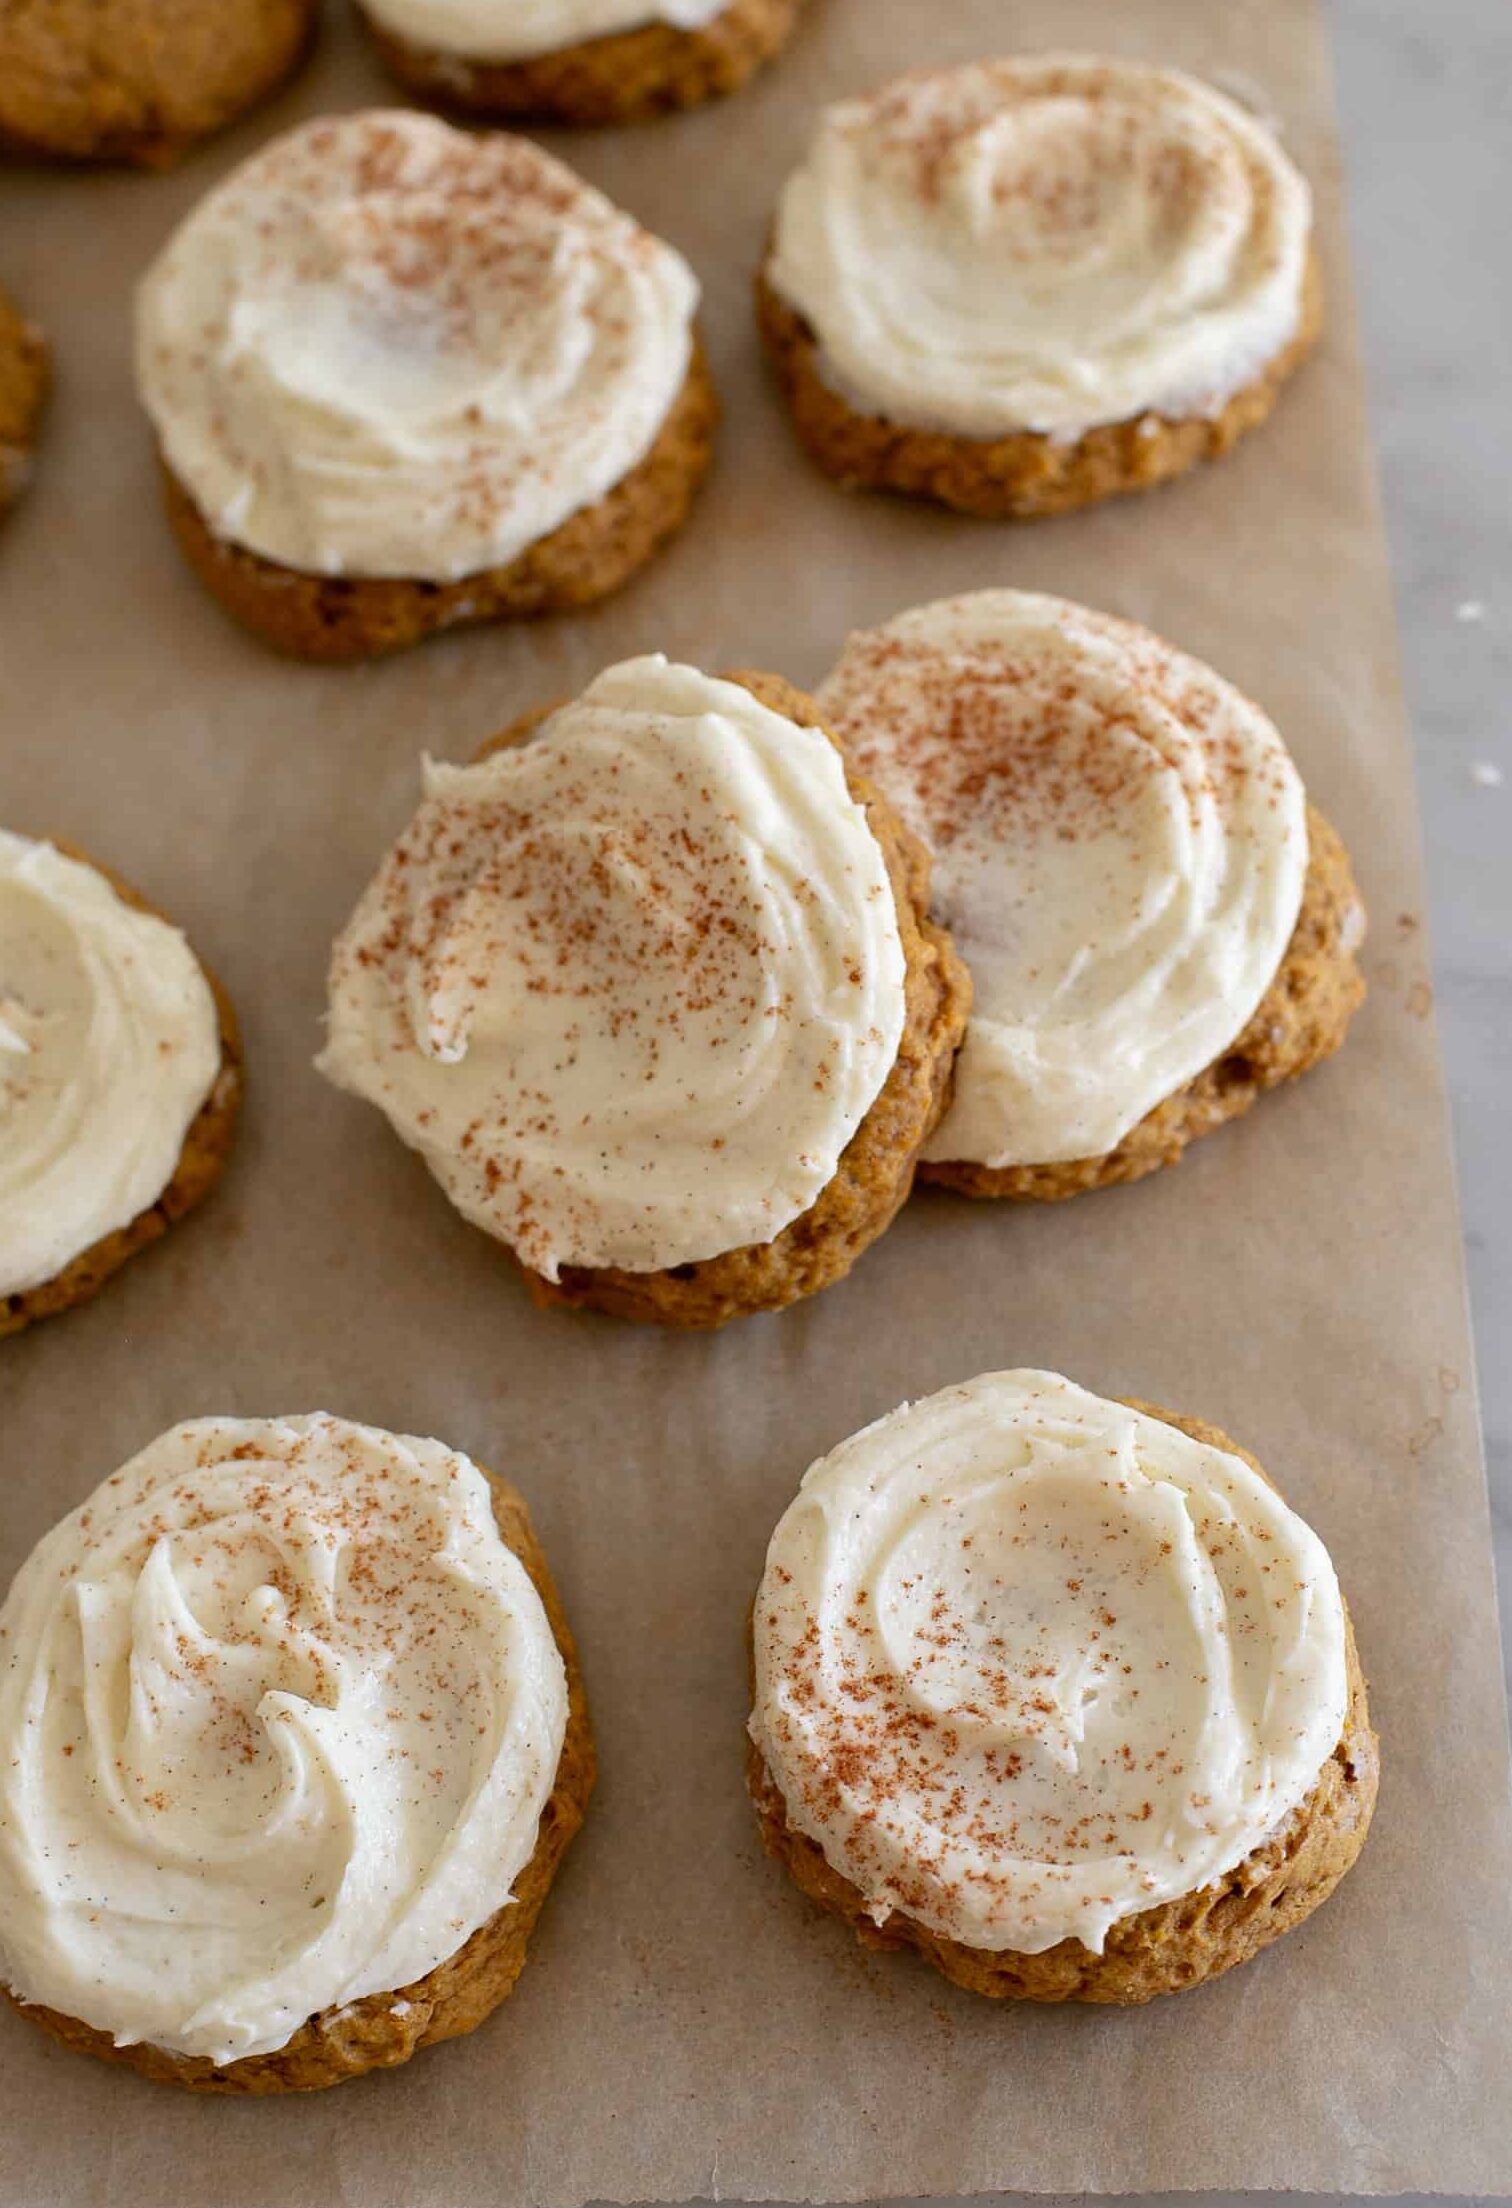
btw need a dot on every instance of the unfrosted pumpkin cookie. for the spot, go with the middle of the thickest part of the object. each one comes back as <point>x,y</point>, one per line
<point>1159,926</point>
<point>139,80</point>
<point>576,61</point>
<point>120,1078</point>
<point>23,388</point>
<point>652,989</point>
<point>1022,286</point>
<point>366,1751</point>
<point>404,378</point>
<point>1057,1692</point>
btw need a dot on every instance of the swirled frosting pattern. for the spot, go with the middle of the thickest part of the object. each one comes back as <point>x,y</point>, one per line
<point>384,347</point>
<point>629,987</point>
<point>1120,845</point>
<point>517,30</point>
<point>1029,1662</point>
<point>279,1712</point>
<point>109,1045</point>
<point>1044,245</point>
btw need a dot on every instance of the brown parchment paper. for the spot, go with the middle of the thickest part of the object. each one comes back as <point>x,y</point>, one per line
<point>687,2027</point>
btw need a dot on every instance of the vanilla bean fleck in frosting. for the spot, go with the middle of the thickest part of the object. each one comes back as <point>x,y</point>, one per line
<point>384,347</point>
<point>1120,847</point>
<point>109,1045</point>
<point>1029,1662</point>
<point>629,987</point>
<point>279,1713</point>
<point>1043,244</point>
<point>518,30</point>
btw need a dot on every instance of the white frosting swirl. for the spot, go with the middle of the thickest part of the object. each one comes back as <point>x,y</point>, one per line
<point>1043,244</point>
<point>517,30</point>
<point>279,1712</point>
<point>1029,1662</point>
<point>109,1045</point>
<point>383,347</point>
<point>631,987</point>
<point>1120,845</point>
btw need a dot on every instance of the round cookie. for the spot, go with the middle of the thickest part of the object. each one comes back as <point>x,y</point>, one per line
<point>1160,926</point>
<point>815,1245</point>
<point>508,413</point>
<point>380,2030</point>
<point>24,378</point>
<point>132,80</point>
<point>201,1160</point>
<point>653,68</point>
<point>1062,400</point>
<point>1164,1949</point>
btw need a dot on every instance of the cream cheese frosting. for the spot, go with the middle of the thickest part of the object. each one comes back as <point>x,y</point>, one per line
<point>384,347</point>
<point>279,1713</point>
<point>109,1045</point>
<point>1120,845</point>
<point>630,987</point>
<point>1029,1662</point>
<point>1043,244</point>
<point>518,30</point>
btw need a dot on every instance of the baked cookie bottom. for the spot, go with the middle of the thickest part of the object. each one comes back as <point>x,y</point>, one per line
<point>1301,1020</point>
<point>137,81</point>
<point>627,77</point>
<point>1025,474</point>
<point>593,552</point>
<point>24,378</point>
<point>384,2029</point>
<point>201,1161</point>
<point>1161,1950</point>
<point>876,1170</point>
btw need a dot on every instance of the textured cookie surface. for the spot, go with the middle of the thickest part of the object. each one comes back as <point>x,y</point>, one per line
<point>627,77</point>
<point>1022,475</point>
<point>23,388</point>
<point>1161,1950</point>
<point>455,1997</point>
<point>139,80</point>
<point>1301,1020</point>
<point>876,1169</point>
<point>592,553</point>
<point>202,1160</point>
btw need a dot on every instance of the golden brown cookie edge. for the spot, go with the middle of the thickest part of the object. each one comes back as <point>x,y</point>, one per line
<point>1163,1950</point>
<point>385,2029</point>
<point>1025,475</point>
<point>25,378</point>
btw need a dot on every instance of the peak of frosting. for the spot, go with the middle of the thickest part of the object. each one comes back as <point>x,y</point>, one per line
<point>1043,244</point>
<point>518,30</point>
<point>629,987</point>
<point>385,347</point>
<point>1029,1662</point>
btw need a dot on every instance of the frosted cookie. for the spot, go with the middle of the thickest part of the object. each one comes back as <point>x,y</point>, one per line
<point>1159,927</point>
<point>1058,1692</point>
<point>135,80</point>
<point>404,378</point>
<point>652,989</point>
<point>120,1078</point>
<point>291,1703</point>
<point>576,61</point>
<point>23,389</point>
<point>1021,286</point>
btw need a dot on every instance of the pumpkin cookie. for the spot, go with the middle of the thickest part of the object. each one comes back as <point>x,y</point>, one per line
<point>120,1078</point>
<point>656,997</point>
<point>355,1925</point>
<point>23,388</point>
<point>134,80</point>
<point>576,61</point>
<point>506,411</point>
<point>1158,925</point>
<point>1022,286</point>
<point>1069,1704</point>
